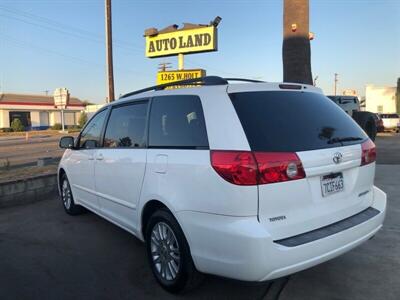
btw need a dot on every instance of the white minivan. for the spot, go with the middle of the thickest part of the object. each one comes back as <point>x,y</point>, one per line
<point>251,181</point>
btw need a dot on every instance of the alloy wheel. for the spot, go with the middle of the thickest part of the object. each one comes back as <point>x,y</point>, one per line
<point>165,251</point>
<point>66,194</point>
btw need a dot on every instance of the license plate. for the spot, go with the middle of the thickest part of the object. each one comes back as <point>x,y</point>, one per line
<point>331,184</point>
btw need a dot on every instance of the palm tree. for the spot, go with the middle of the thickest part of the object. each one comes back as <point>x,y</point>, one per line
<point>398,96</point>
<point>296,51</point>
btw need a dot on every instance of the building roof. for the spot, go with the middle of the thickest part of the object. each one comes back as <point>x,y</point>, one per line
<point>40,100</point>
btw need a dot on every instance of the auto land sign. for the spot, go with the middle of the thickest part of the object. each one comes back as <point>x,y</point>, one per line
<point>202,39</point>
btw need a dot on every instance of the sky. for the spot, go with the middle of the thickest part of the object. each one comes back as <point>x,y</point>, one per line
<point>46,44</point>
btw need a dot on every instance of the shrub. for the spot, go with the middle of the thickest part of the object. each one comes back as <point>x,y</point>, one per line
<point>56,126</point>
<point>82,119</point>
<point>16,125</point>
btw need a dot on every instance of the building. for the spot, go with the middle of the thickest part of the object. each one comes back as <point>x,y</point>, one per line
<point>380,99</point>
<point>36,111</point>
<point>92,108</point>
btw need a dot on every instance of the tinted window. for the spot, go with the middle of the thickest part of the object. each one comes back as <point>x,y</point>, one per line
<point>177,122</point>
<point>335,99</point>
<point>126,126</point>
<point>293,121</point>
<point>91,135</point>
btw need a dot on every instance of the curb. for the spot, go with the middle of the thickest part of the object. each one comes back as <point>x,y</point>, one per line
<point>28,190</point>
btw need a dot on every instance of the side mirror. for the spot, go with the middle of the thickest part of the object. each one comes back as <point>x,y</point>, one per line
<point>66,142</point>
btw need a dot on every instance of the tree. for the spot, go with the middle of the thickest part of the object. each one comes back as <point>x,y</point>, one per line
<point>82,119</point>
<point>296,52</point>
<point>17,125</point>
<point>87,102</point>
<point>56,126</point>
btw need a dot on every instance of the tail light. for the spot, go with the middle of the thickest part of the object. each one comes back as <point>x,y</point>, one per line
<point>251,168</point>
<point>237,167</point>
<point>368,154</point>
<point>278,166</point>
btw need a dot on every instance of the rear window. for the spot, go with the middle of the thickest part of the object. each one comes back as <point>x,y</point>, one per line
<point>286,121</point>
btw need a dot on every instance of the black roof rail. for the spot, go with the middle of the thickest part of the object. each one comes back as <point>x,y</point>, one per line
<point>207,80</point>
<point>244,80</point>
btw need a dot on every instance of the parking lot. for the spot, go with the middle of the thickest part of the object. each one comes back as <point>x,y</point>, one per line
<point>46,254</point>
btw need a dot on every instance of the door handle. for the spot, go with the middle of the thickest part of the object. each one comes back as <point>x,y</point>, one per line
<point>91,158</point>
<point>100,157</point>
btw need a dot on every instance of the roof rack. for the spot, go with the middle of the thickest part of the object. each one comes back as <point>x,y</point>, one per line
<point>207,80</point>
<point>244,80</point>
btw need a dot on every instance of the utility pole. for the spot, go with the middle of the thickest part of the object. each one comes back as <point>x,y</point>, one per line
<point>164,66</point>
<point>336,81</point>
<point>109,55</point>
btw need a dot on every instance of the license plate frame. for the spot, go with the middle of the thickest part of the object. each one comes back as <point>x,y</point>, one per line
<point>331,184</point>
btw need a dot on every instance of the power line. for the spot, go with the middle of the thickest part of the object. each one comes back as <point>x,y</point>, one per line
<point>66,29</point>
<point>199,65</point>
<point>50,24</point>
<point>87,35</point>
<point>24,45</point>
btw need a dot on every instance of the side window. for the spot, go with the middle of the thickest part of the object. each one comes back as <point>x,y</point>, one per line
<point>126,126</point>
<point>346,100</point>
<point>91,135</point>
<point>177,122</point>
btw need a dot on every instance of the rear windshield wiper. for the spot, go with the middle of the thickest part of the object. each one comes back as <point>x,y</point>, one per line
<point>344,139</point>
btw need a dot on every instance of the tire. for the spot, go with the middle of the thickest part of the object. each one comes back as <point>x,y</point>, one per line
<point>366,121</point>
<point>169,254</point>
<point>67,199</point>
<point>371,130</point>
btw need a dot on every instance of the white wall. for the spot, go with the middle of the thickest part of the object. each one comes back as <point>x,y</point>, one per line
<point>91,109</point>
<point>55,117</point>
<point>38,118</point>
<point>69,118</point>
<point>4,118</point>
<point>44,118</point>
<point>35,119</point>
<point>380,99</point>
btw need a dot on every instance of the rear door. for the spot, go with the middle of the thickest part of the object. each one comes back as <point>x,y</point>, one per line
<point>120,164</point>
<point>328,143</point>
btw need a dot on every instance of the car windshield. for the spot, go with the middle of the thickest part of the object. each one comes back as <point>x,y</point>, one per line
<point>288,121</point>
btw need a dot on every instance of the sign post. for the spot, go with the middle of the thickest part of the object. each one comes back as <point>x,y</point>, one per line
<point>180,61</point>
<point>61,98</point>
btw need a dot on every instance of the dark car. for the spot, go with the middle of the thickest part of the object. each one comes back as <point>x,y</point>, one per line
<point>379,123</point>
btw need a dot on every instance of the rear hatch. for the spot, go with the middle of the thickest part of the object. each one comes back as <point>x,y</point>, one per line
<point>327,144</point>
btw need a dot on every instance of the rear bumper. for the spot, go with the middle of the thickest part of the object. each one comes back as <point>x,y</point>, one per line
<point>241,248</point>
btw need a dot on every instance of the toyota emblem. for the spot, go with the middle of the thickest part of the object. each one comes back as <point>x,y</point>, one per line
<point>337,157</point>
